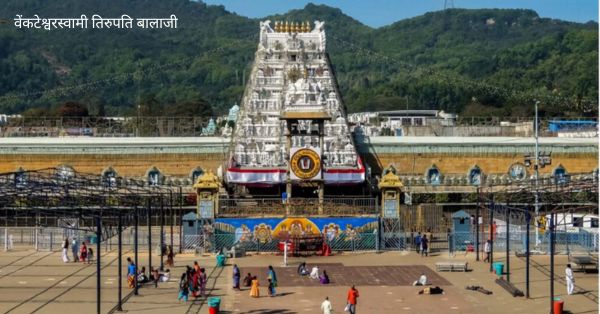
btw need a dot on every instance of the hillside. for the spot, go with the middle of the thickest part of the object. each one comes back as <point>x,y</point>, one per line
<point>475,62</point>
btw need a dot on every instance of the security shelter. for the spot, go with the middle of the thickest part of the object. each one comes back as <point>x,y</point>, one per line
<point>190,224</point>
<point>461,222</point>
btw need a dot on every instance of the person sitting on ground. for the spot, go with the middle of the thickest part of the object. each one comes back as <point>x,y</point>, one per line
<point>166,276</point>
<point>324,278</point>
<point>422,281</point>
<point>314,273</point>
<point>432,290</point>
<point>248,280</point>
<point>302,269</point>
<point>142,278</point>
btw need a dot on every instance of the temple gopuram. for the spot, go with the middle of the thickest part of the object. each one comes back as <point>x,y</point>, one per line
<point>292,126</point>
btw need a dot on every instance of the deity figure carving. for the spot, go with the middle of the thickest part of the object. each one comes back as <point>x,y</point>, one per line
<point>318,26</point>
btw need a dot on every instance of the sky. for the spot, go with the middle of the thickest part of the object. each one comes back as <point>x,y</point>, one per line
<point>376,13</point>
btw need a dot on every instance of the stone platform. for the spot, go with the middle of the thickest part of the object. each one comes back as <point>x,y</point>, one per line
<point>341,275</point>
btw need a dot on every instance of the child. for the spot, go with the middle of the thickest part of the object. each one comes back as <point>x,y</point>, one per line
<point>83,252</point>
<point>90,255</point>
<point>248,280</point>
<point>202,281</point>
<point>155,277</point>
<point>183,288</point>
<point>271,288</point>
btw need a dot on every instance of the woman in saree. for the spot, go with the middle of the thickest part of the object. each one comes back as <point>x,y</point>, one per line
<point>254,292</point>
<point>273,278</point>
<point>236,277</point>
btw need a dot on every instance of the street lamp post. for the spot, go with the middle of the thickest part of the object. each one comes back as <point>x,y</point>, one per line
<point>536,175</point>
<point>137,124</point>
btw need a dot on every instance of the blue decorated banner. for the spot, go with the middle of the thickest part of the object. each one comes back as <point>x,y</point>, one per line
<point>268,229</point>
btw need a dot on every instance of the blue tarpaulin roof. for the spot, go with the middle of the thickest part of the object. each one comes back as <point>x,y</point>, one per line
<point>559,125</point>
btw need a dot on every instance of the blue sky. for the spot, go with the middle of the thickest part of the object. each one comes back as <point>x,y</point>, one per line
<point>377,13</point>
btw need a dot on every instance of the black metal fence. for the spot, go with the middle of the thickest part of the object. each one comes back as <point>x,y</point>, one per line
<point>103,126</point>
<point>264,207</point>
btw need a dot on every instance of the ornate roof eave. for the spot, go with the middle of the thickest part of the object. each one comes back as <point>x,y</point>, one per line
<point>390,179</point>
<point>208,181</point>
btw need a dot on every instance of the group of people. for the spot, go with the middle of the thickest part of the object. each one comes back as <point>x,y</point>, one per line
<point>314,273</point>
<point>422,244</point>
<point>135,277</point>
<point>252,282</point>
<point>351,302</point>
<point>83,254</point>
<point>193,281</point>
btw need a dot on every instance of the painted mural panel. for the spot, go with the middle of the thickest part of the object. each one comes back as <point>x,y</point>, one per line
<point>268,229</point>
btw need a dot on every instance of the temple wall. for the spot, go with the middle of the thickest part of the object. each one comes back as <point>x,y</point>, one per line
<point>180,165</point>
<point>177,157</point>
<point>496,163</point>
<point>127,165</point>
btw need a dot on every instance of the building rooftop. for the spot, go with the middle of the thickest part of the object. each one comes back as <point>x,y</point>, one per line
<point>479,140</point>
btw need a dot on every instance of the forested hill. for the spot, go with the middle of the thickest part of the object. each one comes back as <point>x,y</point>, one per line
<point>474,62</point>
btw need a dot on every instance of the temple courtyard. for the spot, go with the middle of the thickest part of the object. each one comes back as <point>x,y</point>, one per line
<point>38,282</point>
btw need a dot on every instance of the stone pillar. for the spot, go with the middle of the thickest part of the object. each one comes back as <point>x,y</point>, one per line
<point>322,181</point>
<point>288,179</point>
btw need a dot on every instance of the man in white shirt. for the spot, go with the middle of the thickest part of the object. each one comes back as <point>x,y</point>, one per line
<point>65,247</point>
<point>326,306</point>
<point>570,279</point>
<point>487,249</point>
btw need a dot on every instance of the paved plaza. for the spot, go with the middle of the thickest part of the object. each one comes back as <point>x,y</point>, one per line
<point>38,282</point>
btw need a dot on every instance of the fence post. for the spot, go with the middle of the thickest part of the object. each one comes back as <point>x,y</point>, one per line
<point>507,215</point>
<point>376,240</point>
<point>528,221</point>
<point>477,226</point>
<point>6,239</point>
<point>552,226</point>
<point>491,233</point>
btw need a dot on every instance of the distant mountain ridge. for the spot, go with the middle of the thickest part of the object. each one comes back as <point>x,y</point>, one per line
<point>474,62</point>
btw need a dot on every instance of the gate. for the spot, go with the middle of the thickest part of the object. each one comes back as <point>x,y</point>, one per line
<point>392,234</point>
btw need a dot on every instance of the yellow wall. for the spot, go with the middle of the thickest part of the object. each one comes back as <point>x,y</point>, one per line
<point>179,165</point>
<point>419,163</point>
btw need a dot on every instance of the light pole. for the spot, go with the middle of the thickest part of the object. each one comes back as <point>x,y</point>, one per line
<point>137,125</point>
<point>536,175</point>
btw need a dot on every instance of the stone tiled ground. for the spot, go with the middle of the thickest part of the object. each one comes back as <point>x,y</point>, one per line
<point>38,282</point>
<point>340,275</point>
